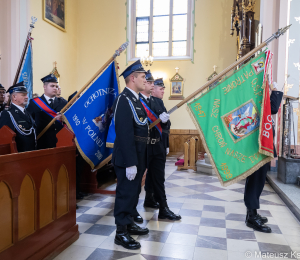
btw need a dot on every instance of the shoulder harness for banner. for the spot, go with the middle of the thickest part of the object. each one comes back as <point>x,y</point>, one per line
<point>135,116</point>
<point>21,131</point>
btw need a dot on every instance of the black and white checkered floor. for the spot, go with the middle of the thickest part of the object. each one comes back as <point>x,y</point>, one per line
<point>212,225</point>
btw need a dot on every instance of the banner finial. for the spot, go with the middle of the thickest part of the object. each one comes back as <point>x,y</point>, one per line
<point>33,21</point>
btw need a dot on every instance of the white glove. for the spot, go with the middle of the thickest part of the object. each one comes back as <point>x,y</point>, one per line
<point>131,172</point>
<point>167,150</point>
<point>275,85</point>
<point>164,117</point>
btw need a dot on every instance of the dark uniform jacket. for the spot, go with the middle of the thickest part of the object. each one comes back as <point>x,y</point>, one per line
<point>25,122</point>
<point>2,106</point>
<point>165,127</point>
<point>156,105</point>
<point>48,139</point>
<point>275,99</point>
<point>126,147</point>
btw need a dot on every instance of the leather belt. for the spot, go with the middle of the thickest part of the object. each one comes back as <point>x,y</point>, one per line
<point>141,139</point>
<point>154,140</point>
<point>166,131</point>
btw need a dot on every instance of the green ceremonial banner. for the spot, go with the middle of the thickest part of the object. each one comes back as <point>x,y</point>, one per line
<point>228,118</point>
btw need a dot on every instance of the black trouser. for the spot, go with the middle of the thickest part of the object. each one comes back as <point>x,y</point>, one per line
<point>155,178</point>
<point>79,169</point>
<point>127,192</point>
<point>254,186</point>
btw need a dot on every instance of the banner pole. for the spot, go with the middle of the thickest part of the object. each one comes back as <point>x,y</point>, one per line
<point>28,39</point>
<point>117,53</point>
<point>217,77</point>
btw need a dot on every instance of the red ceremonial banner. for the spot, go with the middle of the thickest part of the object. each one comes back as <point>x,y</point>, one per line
<point>266,130</point>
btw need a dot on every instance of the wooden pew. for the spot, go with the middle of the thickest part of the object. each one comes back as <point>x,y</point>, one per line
<point>37,199</point>
<point>7,141</point>
<point>191,151</point>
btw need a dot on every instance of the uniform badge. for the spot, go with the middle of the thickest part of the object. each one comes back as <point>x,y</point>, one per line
<point>141,119</point>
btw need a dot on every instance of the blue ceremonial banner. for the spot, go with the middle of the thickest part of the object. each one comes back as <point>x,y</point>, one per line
<point>26,74</point>
<point>90,116</point>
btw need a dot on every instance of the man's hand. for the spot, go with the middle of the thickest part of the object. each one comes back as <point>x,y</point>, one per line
<point>131,172</point>
<point>98,119</point>
<point>59,117</point>
<point>164,117</point>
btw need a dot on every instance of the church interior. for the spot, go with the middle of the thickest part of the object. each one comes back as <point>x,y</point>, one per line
<point>52,208</point>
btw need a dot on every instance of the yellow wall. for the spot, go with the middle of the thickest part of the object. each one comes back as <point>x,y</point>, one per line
<point>51,44</point>
<point>96,28</point>
<point>105,30</point>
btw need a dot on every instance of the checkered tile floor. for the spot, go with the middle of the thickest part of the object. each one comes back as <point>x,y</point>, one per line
<point>212,224</point>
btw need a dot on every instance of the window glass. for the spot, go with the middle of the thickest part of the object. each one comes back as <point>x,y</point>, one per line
<point>160,29</point>
<point>157,33</point>
<point>179,48</point>
<point>141,50</point>
<point>142,8</point>
<point>180,6</point>
<point>142,29</point>
<point>161,7</point>
<point>160,49</point>
<point>179,27</point>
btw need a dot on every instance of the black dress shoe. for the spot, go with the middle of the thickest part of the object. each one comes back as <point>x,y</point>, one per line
<point>263,219</point>
<point>122,238</point>
<point>77,206</point>
<point>257,224</point>
<point>134,229</point>
<point>165,212</point>
<point>138,219</point>
<point>150,201</point>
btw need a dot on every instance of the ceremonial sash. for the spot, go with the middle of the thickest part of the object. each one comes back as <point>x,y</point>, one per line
<point>152,116</point>
<point>42,105</point>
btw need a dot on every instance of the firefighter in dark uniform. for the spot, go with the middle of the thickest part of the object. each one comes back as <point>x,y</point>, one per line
<point>256,181</point>
<point>145,96</point>
<point>42,119</point>
<point>19,120</point>
<point>157,152</point>
<point>2,98</point>
<point>129,155</point>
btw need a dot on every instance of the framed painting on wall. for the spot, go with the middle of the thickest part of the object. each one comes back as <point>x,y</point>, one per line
<point>176,88</point>
<point>54,12</point>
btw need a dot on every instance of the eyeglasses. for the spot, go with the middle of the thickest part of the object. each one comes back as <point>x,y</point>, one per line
<point>2,92</point>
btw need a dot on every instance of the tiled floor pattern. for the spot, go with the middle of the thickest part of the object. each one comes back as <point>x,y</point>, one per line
<point>212,225</point>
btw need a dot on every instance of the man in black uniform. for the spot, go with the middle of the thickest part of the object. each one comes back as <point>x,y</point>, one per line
<point>130,154</point>
<point>158,92</point>
<point>38,108</point>
<point>2,98</point>
<point>19,120</point>
<point>145,96</point>
<point>157,152</point>
<point>256,181</point>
